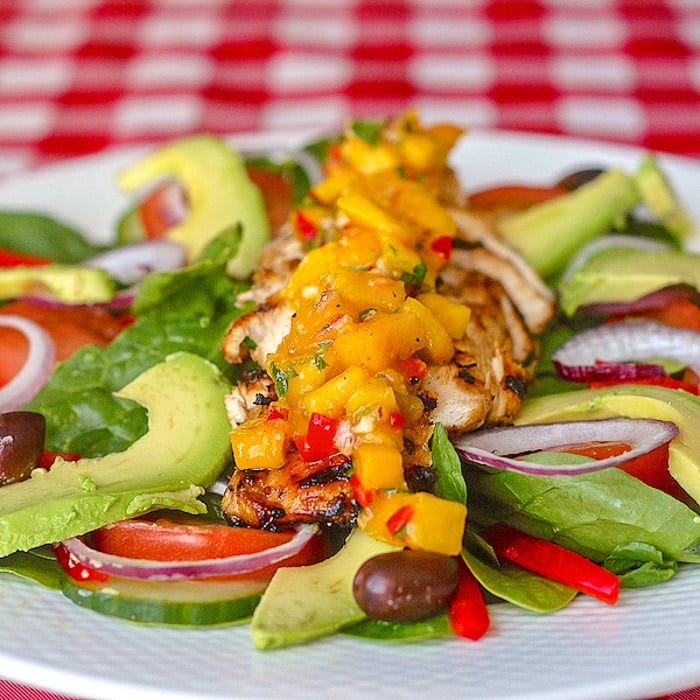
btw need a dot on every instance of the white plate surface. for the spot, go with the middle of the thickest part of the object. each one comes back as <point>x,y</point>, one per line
<point>646,645</point>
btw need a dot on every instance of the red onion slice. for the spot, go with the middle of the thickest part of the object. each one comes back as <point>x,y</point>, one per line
<point>129,264</point>
<point>36,368</point>
<point>152,570</point>
<point>649,302</point>
<point>610,351</point>
<point>500,447</point>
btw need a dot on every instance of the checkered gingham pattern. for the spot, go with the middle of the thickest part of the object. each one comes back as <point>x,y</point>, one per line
<point>78,76</point>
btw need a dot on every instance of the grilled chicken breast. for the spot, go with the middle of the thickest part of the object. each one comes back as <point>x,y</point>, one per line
<point>483,384</point>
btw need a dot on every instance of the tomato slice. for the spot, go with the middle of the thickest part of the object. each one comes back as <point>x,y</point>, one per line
<point>276,192</point>
<point>651,468</point>
<point>514,196</point>
<point>181,537</point>
<point>70,327</point>
<point>681,313</point>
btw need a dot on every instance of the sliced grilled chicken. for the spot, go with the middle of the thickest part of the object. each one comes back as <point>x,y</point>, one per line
<point>477,248</point>
<point>485,381</point>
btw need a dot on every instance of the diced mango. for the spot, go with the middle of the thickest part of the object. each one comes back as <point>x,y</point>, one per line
<point>378,466</point>
<point>375,395</point>
<point>380,341</point>
<point>369,158</point>
<point>452,315</point>
<point>437,343</point>
<point>398,260</point>
<point>305,282</point>
<point>362,211</point>
<point>340,178</point>
<point>434,525</point>
<point>260,444</point>
<point>369,289</point>
<point>331,397</point>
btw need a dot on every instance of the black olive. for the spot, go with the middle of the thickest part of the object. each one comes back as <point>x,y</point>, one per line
<point>406,586</point>
<point>22,436</point>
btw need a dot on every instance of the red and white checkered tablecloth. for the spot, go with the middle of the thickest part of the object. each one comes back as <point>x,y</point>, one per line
<point>78,76</point>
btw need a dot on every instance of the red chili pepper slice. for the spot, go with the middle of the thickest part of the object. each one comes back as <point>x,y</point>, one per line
<point>318,442</point>
<point>442,246</point>
<point>74,569</point>
<point>468,614</point>
<point>554,562</point>
<point>400,519</point>
<point>306,228</point>
<point>362,495</point>
<point>9,258</point>
<point>276,413</point>
<point>396,420</point>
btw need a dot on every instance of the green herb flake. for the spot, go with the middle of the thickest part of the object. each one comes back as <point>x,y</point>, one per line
<point>368,131</point>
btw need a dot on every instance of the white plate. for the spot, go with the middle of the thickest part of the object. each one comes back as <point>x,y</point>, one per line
<point>648,644</point>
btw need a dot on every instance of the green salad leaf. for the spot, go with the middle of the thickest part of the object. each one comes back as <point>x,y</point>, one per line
<point>595,514</point>
<point>43,236</point>
<point>450,483</point>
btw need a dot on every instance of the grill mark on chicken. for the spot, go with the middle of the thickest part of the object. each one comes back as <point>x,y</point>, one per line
<point>297,492</point>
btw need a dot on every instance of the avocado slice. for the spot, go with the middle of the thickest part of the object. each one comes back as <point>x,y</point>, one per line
<point>632,401</point>
<point>308,602</point>
<point>186,447</point>
<point>71,284</point>
<point>658,195</point>
<point>219,194</point>
<point>625,274</point>
<point>547,234</point>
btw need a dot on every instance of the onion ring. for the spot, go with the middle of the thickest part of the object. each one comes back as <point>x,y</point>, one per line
<point>154,570</point>
<point>499,447</point>
<point>37,366</point>
<point>609,352</point>
<point>130,263</point>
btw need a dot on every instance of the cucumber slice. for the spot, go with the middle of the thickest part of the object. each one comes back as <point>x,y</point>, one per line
<point>187,603</point>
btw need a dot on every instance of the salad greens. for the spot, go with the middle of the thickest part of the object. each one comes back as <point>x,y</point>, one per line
<point>635,531</point>
<point>189,309</point>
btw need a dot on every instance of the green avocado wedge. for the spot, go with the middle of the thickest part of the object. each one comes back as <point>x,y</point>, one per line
<point>72,284</point>
<point>219,195</point>
<point>626,274</point>
<point>308,602</point>
<point>632,401</point>
<point>184,450</point>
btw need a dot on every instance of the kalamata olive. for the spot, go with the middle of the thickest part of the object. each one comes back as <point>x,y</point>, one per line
<point>405,586</point>
<point>22,435</point>
<point>576,179</point>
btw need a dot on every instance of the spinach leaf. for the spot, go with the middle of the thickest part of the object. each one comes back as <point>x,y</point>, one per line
<point>35,234</point>
<point>435,627</point>
<point>589,513</point>
<point>639,564</point>
<point>511,583</point>
<point>450,483</point>
<point>38,565</point>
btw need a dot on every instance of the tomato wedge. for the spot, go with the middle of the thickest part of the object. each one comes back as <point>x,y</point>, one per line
<point>181,537</point>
